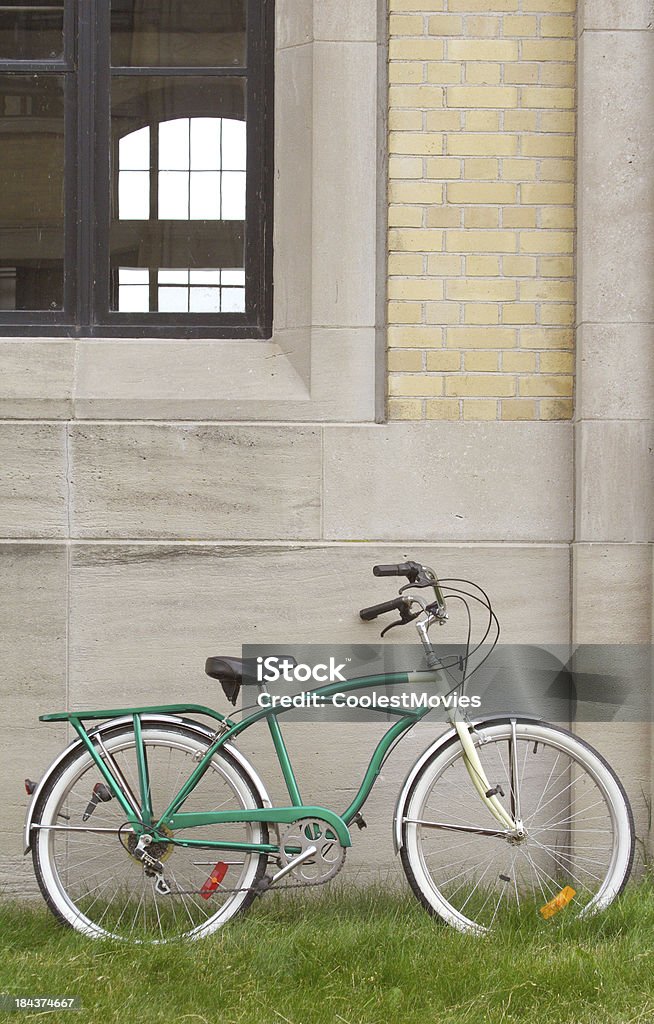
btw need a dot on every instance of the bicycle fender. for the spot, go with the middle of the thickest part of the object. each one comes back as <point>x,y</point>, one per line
<point>442,741</point>
<point>201,731</point>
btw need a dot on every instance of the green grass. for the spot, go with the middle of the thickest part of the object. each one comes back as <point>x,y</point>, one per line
<point>359,957</point>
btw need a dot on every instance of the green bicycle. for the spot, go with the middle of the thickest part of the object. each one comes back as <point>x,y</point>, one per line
<point>152,826</point>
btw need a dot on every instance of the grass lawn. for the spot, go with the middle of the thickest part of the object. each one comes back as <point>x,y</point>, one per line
<point>345,957</point>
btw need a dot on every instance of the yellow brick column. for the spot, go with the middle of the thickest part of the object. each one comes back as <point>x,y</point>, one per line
<point>481,209</point>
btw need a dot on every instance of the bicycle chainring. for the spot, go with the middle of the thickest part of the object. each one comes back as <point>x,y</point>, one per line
<point>328,859</point>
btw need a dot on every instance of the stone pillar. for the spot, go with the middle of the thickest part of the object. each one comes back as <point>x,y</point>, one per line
<point>612,564</point>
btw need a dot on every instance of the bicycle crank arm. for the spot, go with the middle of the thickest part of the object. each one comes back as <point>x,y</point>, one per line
<point>301,857</point>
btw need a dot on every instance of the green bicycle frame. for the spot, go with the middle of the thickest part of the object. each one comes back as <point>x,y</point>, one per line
<point>174,819</point>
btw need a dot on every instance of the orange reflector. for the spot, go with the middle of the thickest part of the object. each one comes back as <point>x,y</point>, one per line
<point>560,901</point>
<point>214,880</point>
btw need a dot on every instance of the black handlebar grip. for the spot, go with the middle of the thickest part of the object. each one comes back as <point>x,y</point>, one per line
<point>390,570</point>
<point>380,609</point>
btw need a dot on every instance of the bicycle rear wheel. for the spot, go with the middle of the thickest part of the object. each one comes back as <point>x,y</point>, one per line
<point>93,882</point>
<point>579,842</point>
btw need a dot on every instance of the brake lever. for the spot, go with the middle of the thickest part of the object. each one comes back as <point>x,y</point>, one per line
<point>406,617</point>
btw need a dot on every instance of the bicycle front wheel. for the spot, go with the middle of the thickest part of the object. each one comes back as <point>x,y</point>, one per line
<point>578,847</point>
<point>84,852</point>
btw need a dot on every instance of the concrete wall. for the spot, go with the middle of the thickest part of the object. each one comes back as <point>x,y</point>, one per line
<point>163,501</point>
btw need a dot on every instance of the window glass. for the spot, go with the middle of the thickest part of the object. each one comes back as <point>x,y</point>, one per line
<point>31,192</point>
<point>179,167</point>
<point>202,33</point>
<point>31,31</point>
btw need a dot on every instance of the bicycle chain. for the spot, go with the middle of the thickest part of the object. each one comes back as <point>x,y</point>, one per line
<point>259,888</point>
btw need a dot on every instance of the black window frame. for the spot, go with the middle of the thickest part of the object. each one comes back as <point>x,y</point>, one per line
<point>87,73</point>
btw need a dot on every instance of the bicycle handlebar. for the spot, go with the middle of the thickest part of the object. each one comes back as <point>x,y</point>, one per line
<point>402,569</point>
<point>380,609</point>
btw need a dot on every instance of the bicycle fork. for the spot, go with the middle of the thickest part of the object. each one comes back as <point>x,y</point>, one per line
<point>480,781</point>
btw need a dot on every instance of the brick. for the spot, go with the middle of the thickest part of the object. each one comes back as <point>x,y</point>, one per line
<point>404,313</point>
<point>491,96</point>
<point>403,409</point>
<point>415,49</point>
<point>406,25</point>
<point>519,313</point>
<point>546,97</point>
<point>558,121</point>
<point>464,144</point>
<point>420,240</point>
<point>418,144</point>
<point>519,25</point>
<point>480,410</point>
<point>442,312</point>
<point>546,241</point>
<point>518,217</point>
<point>521,74</point>
<point>408,361</point>
<point>482,192</point>
<point>481,361</point>
<point>481,217</point>
<point>563,6</point>
<point>481,241</point>
<point>443,217</point>
<point>414,337</point>
<point>404,216</point>
<point>551,290</point>
<point>414,385</point>
<point>557,170</point>
<point>442,409</point>
<point>556,409</point>
<point>519,266</point>
<point>481,385</point>
<point>547,194</point>
<point>519,170</point>
<point>481,167</point>
<point>404,167</point>
<point>556,266</point>
<point>443,120</point>
<point>481,313</point>
<point>520,120</point>
<point>557,25</point>
<point>482,74</point>
<point>415,96</point>
<point>557,362</point>
<point>516,409</point>
<point>420,288</point>
<point>479,289</point>
<point>442,73</point>
<point>443,360</point>
<point>445,25</point>
<point>405,263</point>
<point>405,120</point>
<point>558,74</point>
<point>547,145</point>
<point>543,385</point>
<point>556,315</point>
<point>417,5</point>
<point>405,73</point>
<point>483,5</point>
<point>482,266</point>
<point>548,49</point>
<point>481,337</point>
<point>519,362</point>
<point>482,120</point>
<point>482,49</point>
<point>546,338</point>
<point>415,192</point>
<point>443,167</point>
<point>557,217</point>
<point>440,263</point>
<point>482,26</point>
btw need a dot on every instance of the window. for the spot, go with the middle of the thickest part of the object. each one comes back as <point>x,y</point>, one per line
<point>136,168</point>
